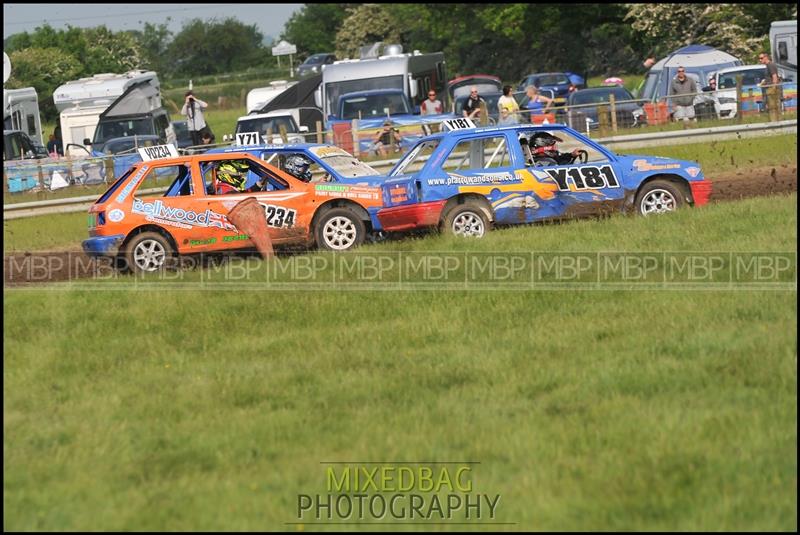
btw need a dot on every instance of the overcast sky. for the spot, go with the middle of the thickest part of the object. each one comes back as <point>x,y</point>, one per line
<point>268,18</point>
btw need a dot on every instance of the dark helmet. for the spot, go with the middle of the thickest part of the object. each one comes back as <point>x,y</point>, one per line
<point>297,165</point>
<point>233,173</point>
<point>544,139</point>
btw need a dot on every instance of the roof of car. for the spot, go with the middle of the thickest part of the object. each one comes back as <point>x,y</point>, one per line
<point>492,129</point>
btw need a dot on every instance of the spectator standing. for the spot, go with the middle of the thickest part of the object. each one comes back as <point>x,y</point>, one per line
<point>472,106</point>
<point>195,120</point>
<point>431,106</point>
<point>771,75</point>
<point>508,107</point>
<point>537,104</point>
<point>685,89</point>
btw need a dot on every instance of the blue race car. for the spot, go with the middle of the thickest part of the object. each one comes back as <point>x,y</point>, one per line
<point>326,166</point>
<point>467,179</point>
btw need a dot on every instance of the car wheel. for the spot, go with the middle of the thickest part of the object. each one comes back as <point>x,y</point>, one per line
<point>468,219</point>
<point>339,229</point>
<point>148,252</point>
<point>658,197</point>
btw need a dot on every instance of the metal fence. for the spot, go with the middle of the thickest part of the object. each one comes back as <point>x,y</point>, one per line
<point>601,119</point>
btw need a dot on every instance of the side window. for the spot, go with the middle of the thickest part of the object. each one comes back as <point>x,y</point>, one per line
<point>169,181</point>
<point>477,154</point>
<point>161,125</point>
<point>15,150</point>
<point>31,124</point>
<point>255,173</point>
<point>561,151</point>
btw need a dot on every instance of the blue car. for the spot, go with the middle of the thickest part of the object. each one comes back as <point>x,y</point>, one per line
<point>468,179</point>
<point>557,82</point>
<point>329,166</point>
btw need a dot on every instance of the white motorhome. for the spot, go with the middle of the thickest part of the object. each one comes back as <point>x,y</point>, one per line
<point>414,74</point>
<point>261,96</point>
<point>783,45</point>
<point>21,112</point>
<point>81,102</point>
<point>20,108</point>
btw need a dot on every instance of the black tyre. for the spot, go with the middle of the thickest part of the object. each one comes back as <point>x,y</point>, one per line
<point>658,197</point>
<point>339,229</point>
<point>467,219</point>
<point>149,252</point>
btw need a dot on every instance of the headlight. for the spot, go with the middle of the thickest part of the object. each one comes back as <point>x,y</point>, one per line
<point>727,100</point>
<point>315,68</point>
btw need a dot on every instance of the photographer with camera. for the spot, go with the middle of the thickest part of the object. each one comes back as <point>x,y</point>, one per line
<point>196,122</point>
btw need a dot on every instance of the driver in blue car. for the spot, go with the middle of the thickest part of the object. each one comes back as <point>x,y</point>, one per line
<point>543,150</point>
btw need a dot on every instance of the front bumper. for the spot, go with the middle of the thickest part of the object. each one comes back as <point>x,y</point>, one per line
<point>409,216</point>
<point>701,191</point>
<point>103,245</point>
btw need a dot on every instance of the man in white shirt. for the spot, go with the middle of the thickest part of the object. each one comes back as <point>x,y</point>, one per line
<point>196,122</point>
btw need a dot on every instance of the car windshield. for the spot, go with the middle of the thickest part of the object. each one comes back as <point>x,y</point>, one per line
<point>749,77</point>
<point>598,96</point>
<point>264,124</point>
<point>348,166</point>
<point>374,106</point>
<point>334,90</point>
<point>122,128</point>
<point>550,79</point>
<point>315,59</point>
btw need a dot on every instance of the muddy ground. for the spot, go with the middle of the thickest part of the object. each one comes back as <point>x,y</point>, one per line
<point>30,268</point>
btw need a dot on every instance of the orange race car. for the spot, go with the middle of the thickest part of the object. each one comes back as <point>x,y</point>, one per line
<point>179,205</point>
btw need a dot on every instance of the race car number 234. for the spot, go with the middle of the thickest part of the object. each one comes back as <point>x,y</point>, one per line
<point>588,177</point>
<point>278,216</point>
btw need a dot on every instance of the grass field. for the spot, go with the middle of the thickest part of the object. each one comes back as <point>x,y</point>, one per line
<point>147,408</point>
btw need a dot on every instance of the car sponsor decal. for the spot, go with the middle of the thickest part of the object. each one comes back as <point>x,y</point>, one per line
<point>346,192</point>
<point>324,152</point>
<point>398,193</point>
<point>238,237</point>
<point>130,186</point>
<point>158,212</point>
<point>693,171</point>
<point>587,177</point>
<point>454,179</point>
<point>116,215</point>
<point>278,216</point>
<point>644,165</point>
<point>199,243</point>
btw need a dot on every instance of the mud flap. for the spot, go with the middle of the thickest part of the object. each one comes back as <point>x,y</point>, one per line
<point>248,216</point>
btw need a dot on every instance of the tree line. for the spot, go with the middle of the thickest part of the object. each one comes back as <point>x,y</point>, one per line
<point>508,40</point>
<point>46,58</point>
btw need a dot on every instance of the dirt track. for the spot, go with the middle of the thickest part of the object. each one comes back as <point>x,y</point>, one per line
<point>67,265</point>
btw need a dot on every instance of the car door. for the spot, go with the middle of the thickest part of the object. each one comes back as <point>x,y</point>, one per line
<point>287,203</point>
<point>594,186</point>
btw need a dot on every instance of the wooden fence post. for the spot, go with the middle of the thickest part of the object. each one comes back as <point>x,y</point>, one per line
<point>613,101</point>
<point>320,138</point>
<point>354,128</point>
